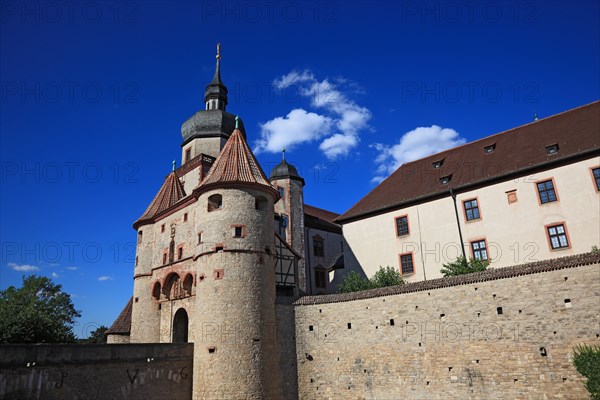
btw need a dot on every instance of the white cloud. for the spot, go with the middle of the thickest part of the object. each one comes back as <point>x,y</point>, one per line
<point>23,267</point>
<point>72,268</point>
<point>292,78</point>
<point>105,278</point>
<point>338,127</point>
<point>297,127</point>
<point>54,275</point>
<point>418,143</point>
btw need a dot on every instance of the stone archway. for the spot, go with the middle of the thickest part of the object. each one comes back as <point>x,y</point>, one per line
<point>180,326</point>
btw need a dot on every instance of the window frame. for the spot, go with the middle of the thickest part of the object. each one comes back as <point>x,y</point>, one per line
<point>465,213</point>
<point>412,260</point>
<point>565,234</point>
<point>486,248</point>
<point>242,229</point>
<point>318,271</point>
<point>407,225</point>
<point>318,239</point>
<point>594,181</point>
<point>538,195</point>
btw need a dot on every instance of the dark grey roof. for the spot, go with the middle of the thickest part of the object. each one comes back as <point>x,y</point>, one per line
<point>210,123</point>
<point>284,171</point>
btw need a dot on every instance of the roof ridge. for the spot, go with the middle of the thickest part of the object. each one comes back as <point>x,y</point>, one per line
<point>170,193</point>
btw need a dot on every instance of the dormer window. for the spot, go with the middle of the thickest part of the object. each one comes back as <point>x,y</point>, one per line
<point>438,164</point>
<point>552,149</point>
<point>489,149</point>
<point>444,180</point>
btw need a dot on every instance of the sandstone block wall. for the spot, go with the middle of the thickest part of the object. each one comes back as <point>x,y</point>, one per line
<point>96,372</point>
<point>499,338</point>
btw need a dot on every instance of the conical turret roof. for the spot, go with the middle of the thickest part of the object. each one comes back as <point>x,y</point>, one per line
<point>237,165</point>
<point>169,194</point>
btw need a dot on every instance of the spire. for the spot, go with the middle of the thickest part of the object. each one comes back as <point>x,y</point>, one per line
<point>174,167</point>
<point>170,193</point>
<point>216,93</point>
<point>283,154</point>
<point>535,117</point>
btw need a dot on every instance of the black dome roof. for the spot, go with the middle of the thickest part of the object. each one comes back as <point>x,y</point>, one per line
<point>285,170</point>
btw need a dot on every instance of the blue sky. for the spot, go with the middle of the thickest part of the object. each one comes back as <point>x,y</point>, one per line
<point>93,95</point>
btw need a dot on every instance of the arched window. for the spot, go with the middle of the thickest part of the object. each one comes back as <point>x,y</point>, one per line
<point>180,326</point>
<point>187,284</point>
<point>172,289</point>
<point>260,203</point>
<point>156,291</point>
<point>215,202</point>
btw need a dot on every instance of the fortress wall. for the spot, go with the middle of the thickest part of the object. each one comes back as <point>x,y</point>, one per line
<point>485,336</point>
<point>286,335</point>
<point>96,372</point>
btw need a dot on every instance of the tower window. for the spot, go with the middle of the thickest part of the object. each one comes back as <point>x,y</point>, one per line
<point>188,154</point>
<point>239,231</point>
<point>162,228</point>
<point>402,226</point>
<point>260,203</point>
<point>479,250</point>
<point>199,237</point>
<point>140,236</point>
<point>318,246</point>
<point>406,263</point>
<point>546,191</point>
<point>164,258</point>
<point>180,253</point>
<point>471,209</point>
<point>281,193</point>
<point>557,235</point>
<point>215,202</point>
<point>185,217</point>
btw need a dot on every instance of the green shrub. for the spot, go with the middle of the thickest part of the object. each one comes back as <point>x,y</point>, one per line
<point>586,360</point>
<point>461,267</point>
<point>354,282</point>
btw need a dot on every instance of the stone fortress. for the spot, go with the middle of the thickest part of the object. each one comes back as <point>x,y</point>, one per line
<point>230,301</point>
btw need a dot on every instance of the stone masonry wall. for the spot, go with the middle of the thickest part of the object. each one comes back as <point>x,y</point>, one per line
<point>96,372</point>
<point>502,334</point>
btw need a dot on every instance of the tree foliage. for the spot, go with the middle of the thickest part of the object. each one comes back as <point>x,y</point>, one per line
<point>37,312</point>
<point>461,266</point>
<point>354,282</point>
<point>586,360</point>
<point>97,336</point>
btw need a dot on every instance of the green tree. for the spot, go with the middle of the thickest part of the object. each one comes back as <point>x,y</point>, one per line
<point>586,360</point>
<point>97,336</point>
<point>387,276</point>
<point>461,267</point>
<point>38,312</point>
<point>354,282</point>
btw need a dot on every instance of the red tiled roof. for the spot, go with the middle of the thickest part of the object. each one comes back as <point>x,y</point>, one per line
<point>321,219</point>
<point>122,324</point>
<point>516,151</point>
<point>237,164</point>
<point>169,194</point>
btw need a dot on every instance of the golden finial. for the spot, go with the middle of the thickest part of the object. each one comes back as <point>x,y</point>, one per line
<point>218,51</point>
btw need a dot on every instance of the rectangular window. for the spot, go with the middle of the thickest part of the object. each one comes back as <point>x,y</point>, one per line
<point>185,217</point>
<point>180,253</point>
<point>471,209</point>
<point>164,258</point>
<point>596,174</point>
<point>318,247</point>
<point>162,228</point>
<point>406,264</point>
<point>320,278</point>
<point>188,155</point>
<point>402,226</point>
<point>557,235</point>
<point>546,191</point>
<point>237,232</point>
<point>281,193</point>
<point>199,237</point>
<point>479,250</point>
